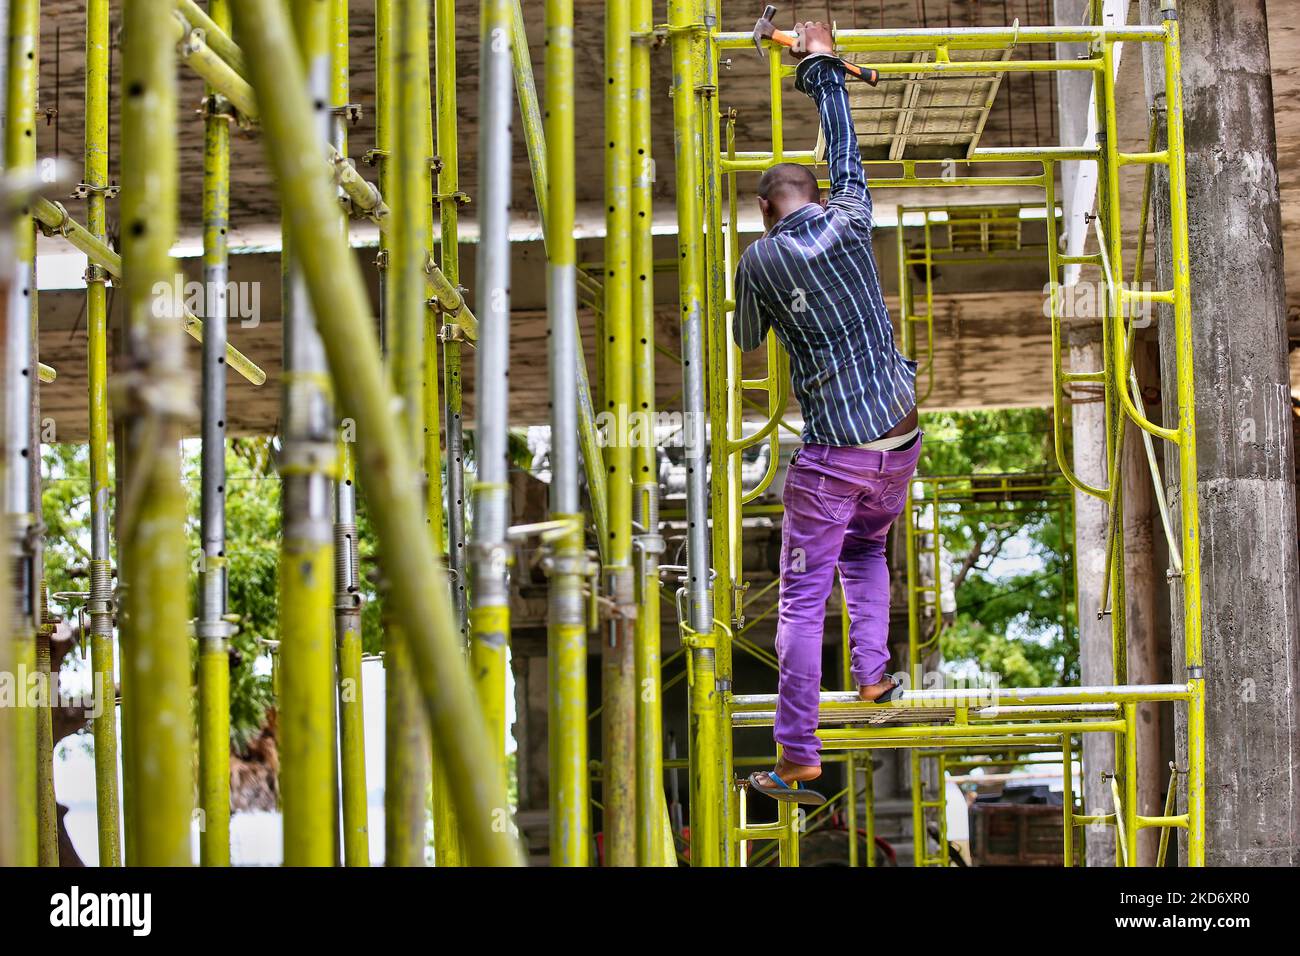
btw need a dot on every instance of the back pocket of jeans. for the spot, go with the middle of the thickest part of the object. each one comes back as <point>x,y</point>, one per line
<point>836,506</point>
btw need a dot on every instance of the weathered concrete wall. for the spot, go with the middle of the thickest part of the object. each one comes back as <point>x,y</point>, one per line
<point>1251,596</point>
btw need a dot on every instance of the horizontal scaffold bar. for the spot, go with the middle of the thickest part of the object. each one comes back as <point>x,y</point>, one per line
<point>757,161</point>
<point>765,718</point>
<point>216,37</point>
<point>55,218</point>
<point>957,745</point>
<point>212,53</point>
<point>1042,712</point>
<point>965,731</point>
<point>970,38</point>
<point>984,697</point>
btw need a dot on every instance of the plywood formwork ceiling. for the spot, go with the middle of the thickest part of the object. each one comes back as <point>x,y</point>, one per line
<point>1023,114</point>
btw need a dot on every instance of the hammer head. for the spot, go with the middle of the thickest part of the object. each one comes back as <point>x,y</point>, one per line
<point>764,28</point>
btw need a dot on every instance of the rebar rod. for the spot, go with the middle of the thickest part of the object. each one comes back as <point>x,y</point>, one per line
<point>153,398</point>
<point>417,590</point>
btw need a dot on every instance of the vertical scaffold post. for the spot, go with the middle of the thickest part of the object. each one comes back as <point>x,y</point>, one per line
<point>433,306</point>
<point>212,629</point>
<point>347,566</point>
<point>308,463</point>
<point>1067,798</point>
<point>684,28</point>
<point>406,57</point>
<point>649,543</point>
<point>446,842</point>
<point>19,379</point>
<point>154,401</point>
<point>489,548</point>
<point>449,200</point>
<point>570,837</point>
<point>535,139</point>
<point>1130,784</point>
<point>10,823</point>
<point>47,834</point>
<point>417,586</point>
<point>618,689</point>
<point>726,494</point>
<point>1189,499</point>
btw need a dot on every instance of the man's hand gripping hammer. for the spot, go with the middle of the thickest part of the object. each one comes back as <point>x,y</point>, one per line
<point>765,29</point>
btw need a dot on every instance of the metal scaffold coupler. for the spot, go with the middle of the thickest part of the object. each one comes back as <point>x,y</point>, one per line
<point>83,190</point>
<point>214,631</point>
<point>64,226</point>
<point>450,331</point>
<point>556,564</point>
<point>459,197</point>
<point>349,111</point>
<point>350,600</point>
<point>217,106</point>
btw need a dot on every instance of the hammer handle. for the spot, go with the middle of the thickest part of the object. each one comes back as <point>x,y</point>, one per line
<point>870,77</point>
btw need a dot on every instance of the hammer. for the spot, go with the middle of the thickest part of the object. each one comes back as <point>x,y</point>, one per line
<point>765,29</point>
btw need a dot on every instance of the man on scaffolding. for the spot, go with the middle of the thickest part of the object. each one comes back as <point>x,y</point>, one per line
<point>812,279</point>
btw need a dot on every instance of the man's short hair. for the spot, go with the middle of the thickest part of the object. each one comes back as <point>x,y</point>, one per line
<point>787,182</point>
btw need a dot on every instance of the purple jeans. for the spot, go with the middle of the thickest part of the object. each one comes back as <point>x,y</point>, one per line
<point>839,504</point>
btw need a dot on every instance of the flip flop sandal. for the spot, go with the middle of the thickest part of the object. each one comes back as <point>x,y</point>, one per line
<point>894,693</point>
<point>782,791</point>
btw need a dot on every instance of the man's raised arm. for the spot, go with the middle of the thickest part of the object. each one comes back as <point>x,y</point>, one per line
<point>821,76</point>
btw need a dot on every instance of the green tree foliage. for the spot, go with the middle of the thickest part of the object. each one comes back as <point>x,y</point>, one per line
<point>252,554</point>
<point>65,507</point>
<point>1019,624</point>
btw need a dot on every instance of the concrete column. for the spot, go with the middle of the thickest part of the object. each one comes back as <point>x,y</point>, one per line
<point>1142,579</point>
<point>1088,416</point>
<point>1250,585</point>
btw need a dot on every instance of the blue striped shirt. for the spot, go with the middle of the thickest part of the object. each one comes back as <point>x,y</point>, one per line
<point>813,279</point>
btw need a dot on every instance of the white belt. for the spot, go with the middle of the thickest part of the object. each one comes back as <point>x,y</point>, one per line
<point>889,444</point>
